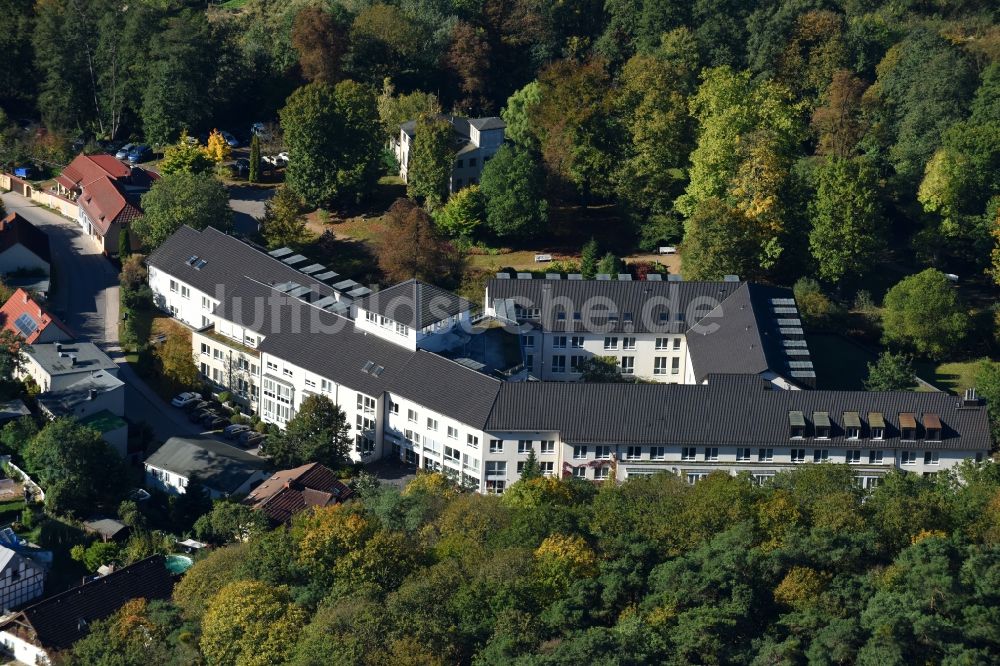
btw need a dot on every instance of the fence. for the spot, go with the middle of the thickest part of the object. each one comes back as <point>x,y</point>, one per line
<point>61,205</point>
<point>29,484</point>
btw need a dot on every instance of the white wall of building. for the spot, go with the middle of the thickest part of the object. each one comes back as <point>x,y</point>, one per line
<point>180,299</point>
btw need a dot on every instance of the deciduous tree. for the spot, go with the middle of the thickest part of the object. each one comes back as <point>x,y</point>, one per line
<point>249,623</point>
<point>217,148</point>
<point>513,188</point>
<point>185,156</point>
<point>411,248</point>
<point>230,521</point>
<point>198,201</point>
<point>891,372</point>
<point>922,312</point>
<point>333,135</point>
<point>319,432</point>
<point>320,43</point>
<point>463,214</point>
<point>284,224</point>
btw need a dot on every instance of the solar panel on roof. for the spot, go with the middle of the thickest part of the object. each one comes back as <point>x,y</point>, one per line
<point>345,284</point>
<point>553,276</point>
<point>785,310</point>
<point>286,287</point>
<point>675,278</point>
<point>782,301</point>
<point>503,276</point>
<point>524,276</point>
<point>730,278</point>
<point>789,322</point>
<point>603,276</point>
<point>800,365</point>
<point>26,325</point>
<point>803,373</point>
<point>654,277</point>
<point>574,276</point>
<point>796,351</point>
<point>280,252</point>
<point>327,275</point>
<point>312,268</point>
<point>299,292</point>
<point>790,331</point>
<point>625,277</point>
<point>359,292</point>
<point>297,259</point>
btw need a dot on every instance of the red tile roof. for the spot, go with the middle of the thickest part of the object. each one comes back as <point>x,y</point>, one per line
<point>15,230</point>
<point>289,491</point>
<point>100,180</point>
<point>22,305</point>
<point>105,204</point>
<point>85,169</point>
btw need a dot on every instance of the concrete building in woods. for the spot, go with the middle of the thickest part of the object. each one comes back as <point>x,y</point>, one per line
<point>475,142</point>
<point>39,633</point>
<point>424,378</point>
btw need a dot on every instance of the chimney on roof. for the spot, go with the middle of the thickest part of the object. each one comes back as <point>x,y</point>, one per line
<point>92,394</point>
<point>970,399</point>
<point>25,297</point>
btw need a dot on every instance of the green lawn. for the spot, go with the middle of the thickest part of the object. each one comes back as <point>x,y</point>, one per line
<point>59,536</point>
<point>955,376</point>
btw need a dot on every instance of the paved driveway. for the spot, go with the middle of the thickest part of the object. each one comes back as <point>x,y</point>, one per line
<point>85,296</point>
<point>248,207</point>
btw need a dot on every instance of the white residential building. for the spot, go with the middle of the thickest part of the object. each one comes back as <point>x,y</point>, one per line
<point>477,140</point>
<point>737,349</point>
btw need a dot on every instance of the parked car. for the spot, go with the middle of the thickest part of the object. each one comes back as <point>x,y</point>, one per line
<point>260,129</point>
<point>218,423</point>
<point>241,168</point>
<point>246,435</point>
<point>140,153</point>
<point>123,152</point>
<point>235,429</point>
<point>210,415</point>
<point>255,440</point>
<point>280,160</point>
<point>197,406</point>
<point>230,139</point>
<point>198,414</point>
<point>185,399</point>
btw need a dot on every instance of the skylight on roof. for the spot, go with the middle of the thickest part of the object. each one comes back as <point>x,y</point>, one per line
<point>368,366</point>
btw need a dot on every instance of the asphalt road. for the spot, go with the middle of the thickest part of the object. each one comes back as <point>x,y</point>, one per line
<point>248,207</point>
<point>85,296</point>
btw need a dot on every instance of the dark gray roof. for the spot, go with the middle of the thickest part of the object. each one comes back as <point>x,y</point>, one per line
<point>67,358</point>
<point>65,401</point>
<point>742,335</point>
<point>221,467</point>
<point>730,410</point>
<point>226,258</point>
<point>415,303</point>
<point>487,123</point>
<point>447,387</point>
<point>460,124</point>
<point>645,301</point>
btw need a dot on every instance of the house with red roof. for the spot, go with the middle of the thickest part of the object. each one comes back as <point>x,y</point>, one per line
<point>289,491</point>
<point>107,193</point>
<point>24,317</point>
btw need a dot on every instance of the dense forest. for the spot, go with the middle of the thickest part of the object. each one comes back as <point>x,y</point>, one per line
<point>807,568</point>
<point>777,138</point>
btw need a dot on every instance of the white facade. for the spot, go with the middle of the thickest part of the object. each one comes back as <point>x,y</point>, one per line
<point>23,651</point>
<point>181,300</point>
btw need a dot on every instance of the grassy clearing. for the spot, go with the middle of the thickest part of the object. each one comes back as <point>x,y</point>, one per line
<point>59,536</point>
<point>955,376</point>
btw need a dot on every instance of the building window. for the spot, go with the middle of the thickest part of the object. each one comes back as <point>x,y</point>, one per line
<point>402,329</point>
<point>743,455</point>
<point>601,473</point>
<point>660,365</point>
<point>173,286</point>
<point>310,383</point>
<point>495,487</point>
<point>675,365</point>
<point>528,341</point>
<point>459,164</point>
<point>524,446</point>
<point>602,452</point>
<point>611,342</point>
<point>580,472</point>
<point>853,456</point>
<point>205,350</point>
<point>547,468</point>
<point>821,455</point>
<point>628,365</point>
<point>496,446</point>
<point>577,342</point>
<point>452,455</point>
<point>575,362</point>
<point>472,441</point>
<point>559,342</point>
<point>559,363</point>
<point>411,415</point>
<point>657,453</point>
<point>662,344</point>
<point>908,458</point>
<point>272,366</point>
<point>689,453</point>
<point>628,343</point>
<point>579,452</point>
<point>874,457</point>
<point>287,372</point>
<point>452,433</point>
<point>547,446</point>
<point>677,344</point>
<point>218,355</point>
<point>627,317</point>
<point>853,433</point>
<point>561,315</point>
<point>205,303</point>
<point>633,453</point>
<point>878,433</point>
<point>472,161</point>
<point>185,292</point>
<point>394,408</point>
<point>765,455</point>
<point>529,361</point>
<point>695,477</point>
<point>371,316</point>
<point>931,457</point>
<point>798,455</point>
<point>711,453</point>
<point>432,425</point>
<point>496,468</point>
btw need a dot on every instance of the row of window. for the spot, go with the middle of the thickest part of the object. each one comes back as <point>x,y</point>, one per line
<point>525,446</point>
<point>412,416</point>
<point>385,322</point>
<point>662,365</point>
<point>611,342</point>
<point>535,313</point>
<point>183,289</point>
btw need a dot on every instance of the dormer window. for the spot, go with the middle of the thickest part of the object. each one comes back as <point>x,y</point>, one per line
<point>876,424</point>
<point>932,427</point>
<point>797,424</point>
<point>821,420</point>
<point>908,426</point>
<point>852,425</point>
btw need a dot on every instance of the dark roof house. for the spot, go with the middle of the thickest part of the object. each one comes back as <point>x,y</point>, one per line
<point>222,468</point>
<point>415,304</point>
<point>17,231</point>
<point>55,623</point>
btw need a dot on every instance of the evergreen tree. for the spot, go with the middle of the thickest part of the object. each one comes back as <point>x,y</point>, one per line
<point>589,258</point>
<point>254,175</point>
<point>531,469</point>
